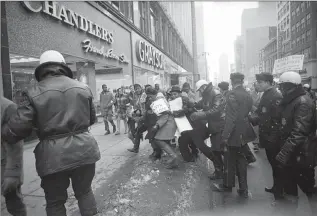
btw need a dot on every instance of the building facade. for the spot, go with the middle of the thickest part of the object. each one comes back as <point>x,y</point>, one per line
<point>303,31</point>
<point>114,43</point>
<point>239,54</point>
<point>269,55</point>
<point>224,74</point>
<point>284,28</point>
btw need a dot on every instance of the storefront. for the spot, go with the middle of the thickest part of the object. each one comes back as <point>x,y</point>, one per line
<point>150,66</point>
<point>95,47</point>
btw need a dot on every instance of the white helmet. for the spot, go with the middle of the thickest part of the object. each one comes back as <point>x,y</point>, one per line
<point>306,86</point>
<point>200,83</point>
<point>291,77</point>
<point>52,57</point>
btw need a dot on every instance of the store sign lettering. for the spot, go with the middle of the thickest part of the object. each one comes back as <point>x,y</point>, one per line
<point>88,46</point>
<point>148,54</point>
<point>71,18</point>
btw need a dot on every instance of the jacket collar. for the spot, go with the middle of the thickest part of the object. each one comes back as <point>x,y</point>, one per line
<point>206,92</point>
<point>299,91</point>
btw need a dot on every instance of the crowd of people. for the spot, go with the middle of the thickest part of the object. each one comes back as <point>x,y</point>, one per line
<point>62,110</point>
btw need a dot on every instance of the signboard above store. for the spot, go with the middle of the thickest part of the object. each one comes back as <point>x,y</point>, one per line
<point>149,55</point>
<point>71,18</point>
<point>289,63</point>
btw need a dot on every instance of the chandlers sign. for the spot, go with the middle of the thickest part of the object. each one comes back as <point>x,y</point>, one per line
<point>66,15</point>
<point>149,55</point>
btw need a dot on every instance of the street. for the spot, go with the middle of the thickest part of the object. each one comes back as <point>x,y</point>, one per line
<point>129,184</point>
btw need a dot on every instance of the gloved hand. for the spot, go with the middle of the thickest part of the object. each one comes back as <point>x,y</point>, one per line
<point>198,116</point>
<point>284,155</point>
<point>178,113</point>
<point>10,184</point>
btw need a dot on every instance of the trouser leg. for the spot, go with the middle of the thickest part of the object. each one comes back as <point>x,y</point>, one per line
<point>14,203</point>
<point>81,181</point>
<point>184,141</point>
<point>248,154</point>
<point>199,142</point>
<point>230,157</point>
<point>242,171</point>
<point>55,189</point>
<point>169,150</point>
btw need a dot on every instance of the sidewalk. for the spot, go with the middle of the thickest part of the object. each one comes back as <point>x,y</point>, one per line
<point>113,156</point>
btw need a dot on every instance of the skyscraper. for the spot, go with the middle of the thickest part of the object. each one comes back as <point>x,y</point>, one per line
<point>224,73</point>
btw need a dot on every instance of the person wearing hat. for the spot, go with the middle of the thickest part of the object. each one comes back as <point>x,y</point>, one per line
<point>212,107</point>
<point>298,140</point>
<point>106,104</point>
<point>235,136</point>
<point>186,89</point>
<point>310,93</point>
<point>224,88</point>
<point>267,117</point>
<point>62,109</point>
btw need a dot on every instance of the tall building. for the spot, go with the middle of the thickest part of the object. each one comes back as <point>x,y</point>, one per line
<point>269,55</point>
<point>201,51</point>
<point>224,74</point>
<point>233,68</point>
<point>104,42</point>
<point>255,21</point>
<point>283,28</point>
<point>303,35</point>
<point>239,54</point>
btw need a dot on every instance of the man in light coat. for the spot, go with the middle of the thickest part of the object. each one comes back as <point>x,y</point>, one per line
<point>11,166</point>
<point>62,109</point>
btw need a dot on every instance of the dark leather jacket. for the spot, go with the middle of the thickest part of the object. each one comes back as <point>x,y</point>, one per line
<point>213,104</point>
<point>298,124</point>
<point>62,109</point>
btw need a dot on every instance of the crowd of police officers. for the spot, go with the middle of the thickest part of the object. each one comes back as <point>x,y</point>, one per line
<point>62,110</point>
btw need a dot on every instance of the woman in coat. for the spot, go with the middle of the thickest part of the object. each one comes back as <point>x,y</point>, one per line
<point>164,130</point>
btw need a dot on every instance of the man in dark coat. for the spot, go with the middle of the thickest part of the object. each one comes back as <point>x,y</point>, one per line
<point>11,165</point>
<point>212,105</point>
<point>237,133</point>
<point>224,88</point>
<point>267,116</point>
<point>298,131</point>
<point>62,109</point>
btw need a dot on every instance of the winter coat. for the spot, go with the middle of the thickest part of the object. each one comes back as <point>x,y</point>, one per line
<point>298,126</point>
<point>238,130</point>
<point>267,116</point>
<point>105,102</point>
<point>62,109</point>
<point>11,155</point>
<point>213,104</point>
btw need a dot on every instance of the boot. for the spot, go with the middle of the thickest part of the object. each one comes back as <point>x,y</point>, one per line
<point>114,128</point>
<point>107,132</point>
<point>136,142</point>
<point>216,175</point>
<point>173,162</point>
<point>156,155</point>
<point>243,193</point>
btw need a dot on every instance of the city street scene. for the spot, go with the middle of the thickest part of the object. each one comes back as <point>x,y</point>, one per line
<point>158,108</point>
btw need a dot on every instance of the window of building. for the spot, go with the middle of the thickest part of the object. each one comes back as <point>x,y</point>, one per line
<point>293,14</point>
<point>164,31</point>
<point>303,38</point>
<point>126,8</point>
<point>115,4</point>
<point>297,26</point>
<point>293,43</point>
<point>153,20</point>
<point>298,41</point>
<point>308,19</point>
<point>307,53</point>
<point>302,5</point>
<point>287,20</point>
<point>308,35</point>
<point>308,4</point>
<point>297,11</point>
<point>143,20</point>
<point>293,29</point>
<point>287,33</point>
<point>303,23</point>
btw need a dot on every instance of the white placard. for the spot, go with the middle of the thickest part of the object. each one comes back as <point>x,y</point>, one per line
<point>289,63</point>
<point>159,106</point>
<point>182,123</point>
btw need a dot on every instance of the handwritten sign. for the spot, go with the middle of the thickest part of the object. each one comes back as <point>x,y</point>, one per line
<point>159,106</point>
<point>182,123</point>
<point>289,63</point>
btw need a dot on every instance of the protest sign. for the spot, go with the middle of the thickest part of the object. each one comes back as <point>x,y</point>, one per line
<point>289,63</point>
<point>159,106</point>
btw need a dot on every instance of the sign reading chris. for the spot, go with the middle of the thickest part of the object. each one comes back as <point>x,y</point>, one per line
<point>149,55</point>
<point>66,15</point>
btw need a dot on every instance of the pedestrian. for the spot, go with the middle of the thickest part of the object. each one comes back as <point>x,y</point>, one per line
<point>267,117</point>
<point>256,97</point>
<point>188,91</point>
<point>164,130</point>
<point>122,104</point>
<point>106,103</point>
<point>213,106</point>
<point>11,166</point>
<point>62,109</point>
<point>298,131</point>
<point>224,89</point>
<point>309,92</point>
<point>138,102</point>
<point>236,134</point>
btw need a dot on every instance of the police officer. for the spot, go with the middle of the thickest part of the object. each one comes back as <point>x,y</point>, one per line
<point>237,133</point>
<point>212,105</point>
<point>62,109</point>
<point>267,116</point>
<point>298,114</point>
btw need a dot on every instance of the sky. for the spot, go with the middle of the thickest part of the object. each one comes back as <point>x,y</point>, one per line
<point>222,26</point>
